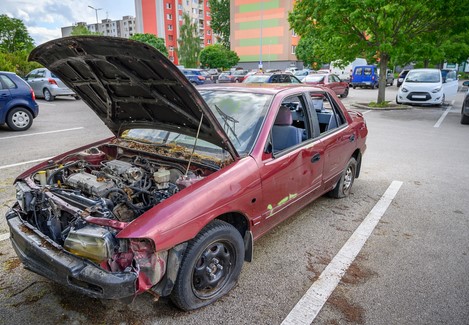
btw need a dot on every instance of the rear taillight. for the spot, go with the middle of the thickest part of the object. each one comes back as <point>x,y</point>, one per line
<point>201,77</point>
<point>52,81</point>
<point>32,94</point>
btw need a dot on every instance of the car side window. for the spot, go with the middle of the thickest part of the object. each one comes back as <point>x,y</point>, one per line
<point>291,126</point>
<point>451,76</point>
<point>40,74</point>
<point>9,84</point>
<point>329,115</point>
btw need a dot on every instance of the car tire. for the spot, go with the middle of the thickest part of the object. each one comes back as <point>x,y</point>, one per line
<point>464,119</point>
<point>19,119</point>
<point>47,95</point>
<point>210,267</point>
<point>345,94</point>
<point>354,86</point>
<point>344,185</point>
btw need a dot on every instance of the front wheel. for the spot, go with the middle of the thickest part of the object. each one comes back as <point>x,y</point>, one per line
<point>397,101</point>
<point>344,185</point>
<point>210,267</point>
<point>19,119</point>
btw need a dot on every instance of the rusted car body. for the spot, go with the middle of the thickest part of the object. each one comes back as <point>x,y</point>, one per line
<point>174,202</point>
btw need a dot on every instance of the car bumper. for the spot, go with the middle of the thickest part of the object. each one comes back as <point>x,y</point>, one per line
<point>420,98</point>
<point>62,92</point>
<point>42,257</point>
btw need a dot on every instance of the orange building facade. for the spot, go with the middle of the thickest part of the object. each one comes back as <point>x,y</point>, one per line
<point>163,18</point>
<point>261,35</point>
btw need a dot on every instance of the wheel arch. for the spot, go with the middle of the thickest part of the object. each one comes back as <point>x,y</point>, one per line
<point>241,223</point>
<point>19,105</point>
<point>358,157</point>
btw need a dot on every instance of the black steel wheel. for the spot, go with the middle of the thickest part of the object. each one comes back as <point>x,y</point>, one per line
<point>344,185</point>
<point>210,267</point>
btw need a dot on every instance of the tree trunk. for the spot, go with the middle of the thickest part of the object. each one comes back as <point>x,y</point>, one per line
<point>383,65</point>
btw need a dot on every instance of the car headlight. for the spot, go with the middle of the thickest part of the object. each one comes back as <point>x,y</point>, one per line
<point>91,242</point>
<point>436,90</point>
<point>404,90</point>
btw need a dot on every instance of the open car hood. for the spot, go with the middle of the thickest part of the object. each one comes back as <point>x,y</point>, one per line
<point>130,84</point>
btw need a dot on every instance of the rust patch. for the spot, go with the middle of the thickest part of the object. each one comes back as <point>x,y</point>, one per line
<point>356,274</point>
<point>353,313</point>
<point>310,267</point>
<point>11,264</point>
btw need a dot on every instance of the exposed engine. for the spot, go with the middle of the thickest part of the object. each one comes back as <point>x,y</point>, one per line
<point>59,201</point>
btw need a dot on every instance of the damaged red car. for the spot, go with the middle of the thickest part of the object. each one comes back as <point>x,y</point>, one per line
<point>175,201</point>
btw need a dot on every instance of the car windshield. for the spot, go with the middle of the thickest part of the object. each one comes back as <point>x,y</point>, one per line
<point>257,78</point>
<point>314,78</point>
<point>423,76</point>
<point>240,114</point>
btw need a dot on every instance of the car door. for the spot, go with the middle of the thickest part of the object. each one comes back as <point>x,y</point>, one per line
<point>450,84</point>
<point>336,85</point>
<point>338,139</point>
<point>5,97</point>
<point>291,177</point>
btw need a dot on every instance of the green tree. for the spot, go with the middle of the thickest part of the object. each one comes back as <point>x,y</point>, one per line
<point>152,40</point>
<point>82,30</point>
<point>13,35</point>
<point>376,29</point>
<point>220,23</point>
<point>17,62</point>
<point>189,43</point>
<point>218,56</point>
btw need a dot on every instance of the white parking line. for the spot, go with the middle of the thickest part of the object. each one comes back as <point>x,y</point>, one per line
<point>38,133</point>
<point>24,163</point>
<point>438,123</point>
<point>308,307</point>
<point>4,236</point>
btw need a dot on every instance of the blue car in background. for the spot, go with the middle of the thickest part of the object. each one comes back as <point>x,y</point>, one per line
<point>18,105</point>
<point>195,76</point>
<point>365,76</point>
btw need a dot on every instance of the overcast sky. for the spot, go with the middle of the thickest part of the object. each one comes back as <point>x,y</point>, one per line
<point>44,18</point>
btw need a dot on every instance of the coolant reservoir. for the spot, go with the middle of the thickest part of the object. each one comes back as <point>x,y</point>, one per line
<point>161,178</point>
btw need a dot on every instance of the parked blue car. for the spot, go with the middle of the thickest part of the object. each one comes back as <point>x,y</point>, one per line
<point>365,76</point>
<point>195,76</point>
<point>18,105</point>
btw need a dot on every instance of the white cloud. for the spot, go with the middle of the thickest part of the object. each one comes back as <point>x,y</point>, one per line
<point>44,18</point>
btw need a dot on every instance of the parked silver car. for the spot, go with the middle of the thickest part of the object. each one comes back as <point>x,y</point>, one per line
<point>45,84</point>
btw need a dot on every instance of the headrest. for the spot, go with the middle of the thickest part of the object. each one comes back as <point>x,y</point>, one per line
<point>284,116</point>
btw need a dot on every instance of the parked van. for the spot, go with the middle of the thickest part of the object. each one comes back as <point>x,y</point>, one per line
<point>345,72</point>
<point>365,76</point>
<point>427,87</point>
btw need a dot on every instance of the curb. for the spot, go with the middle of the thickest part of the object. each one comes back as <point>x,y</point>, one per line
<point>394,108</point>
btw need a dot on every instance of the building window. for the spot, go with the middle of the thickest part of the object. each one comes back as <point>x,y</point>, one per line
<point>179,7</point>
<point>168,6</point>
<point>169,17</point>
<point>293,33</point>
<point>170,27</point>
<point>293,49</point>
<point>171,48</point>
<point>170,37</point>
<point>209,32</point>
<point>180,18</point>
<point>209,41</point>
<point>208,13</point>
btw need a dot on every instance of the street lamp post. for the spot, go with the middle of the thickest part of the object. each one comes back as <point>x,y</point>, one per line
<point>96,11</point>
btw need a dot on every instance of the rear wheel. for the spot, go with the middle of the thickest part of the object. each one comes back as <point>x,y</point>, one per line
<point>19,119</point>
<point>210,267</point>
<point>345,94</point>
<point>47,95</point>
<point>344,185</point>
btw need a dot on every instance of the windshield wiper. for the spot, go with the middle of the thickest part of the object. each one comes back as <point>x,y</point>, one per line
<point>226,118</point>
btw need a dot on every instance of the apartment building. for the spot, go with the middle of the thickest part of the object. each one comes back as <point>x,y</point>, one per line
<point>163,18</point>
<point>261,35</point>
<point>124,27</point>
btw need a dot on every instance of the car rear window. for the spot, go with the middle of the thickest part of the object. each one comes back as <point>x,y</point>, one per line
<point>7,83</point>
<point>367,71</point>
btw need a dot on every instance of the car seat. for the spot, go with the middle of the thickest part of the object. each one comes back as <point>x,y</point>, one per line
<point>284,135</point>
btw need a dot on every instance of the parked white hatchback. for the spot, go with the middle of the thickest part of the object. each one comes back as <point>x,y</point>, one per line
<point>427,87</point>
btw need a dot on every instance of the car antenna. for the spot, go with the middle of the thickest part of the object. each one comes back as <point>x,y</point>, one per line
<point>195,144</point>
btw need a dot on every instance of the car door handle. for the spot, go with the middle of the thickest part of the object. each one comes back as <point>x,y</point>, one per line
<point>352,138</point>
<point>4,95</point>
<point>316,158</point>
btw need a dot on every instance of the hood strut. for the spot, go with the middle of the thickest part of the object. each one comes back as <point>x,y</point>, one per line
<point>195,144</point>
